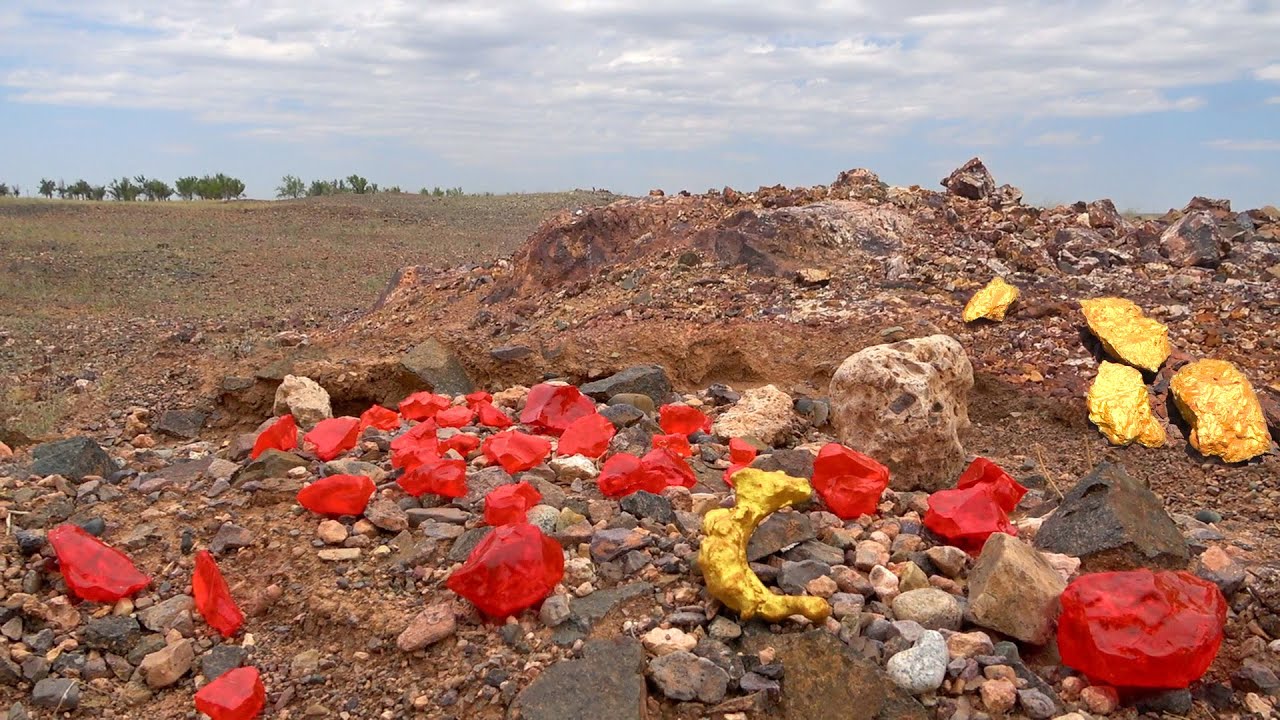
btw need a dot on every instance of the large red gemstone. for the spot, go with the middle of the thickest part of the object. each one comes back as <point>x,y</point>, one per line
<point>682,420</point>
<point>513,568</point>
<point>624,474</point>
<point>510,503</point>
<point>1141,629</point>
<point>379,417</point>
<point>337,495</point>
<point>443,477</point>
<point>94,570</point>
<point>462,442</point>
<point>741,455</point>
<point>213,597</point>
<point>423,405</point>
<point>455,417</point>
<point>677,444</point>
<point>416,446</point>
<point>663,468</point>
<point>477,397</point>
<point>280,435</point>
<point>849,482</point>
<point>1006,491</point>
<point>330,438</point>
<point>589,436</point>
<point>552,408</point>
<point>966,518</point>
<point>491,416</point>
<point>516,451</point>
<point>235,695</point>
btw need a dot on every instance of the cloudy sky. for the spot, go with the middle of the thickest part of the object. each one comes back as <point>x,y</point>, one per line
<point>1147,103</point>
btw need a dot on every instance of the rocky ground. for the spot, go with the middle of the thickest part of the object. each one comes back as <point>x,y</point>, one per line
<point>728,292</point>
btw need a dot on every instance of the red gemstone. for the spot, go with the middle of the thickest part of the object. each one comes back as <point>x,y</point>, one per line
<point>510,504</point>
<point>551,408</point>
<point>491,416</point>
<point>416,446</point>
<point>213,597</point>
<point>443,477</point>
<point>677,444</point>
<point>624,474</point>
<point>513,568</point>
<point>463,443</point>
<point>337,495</point>
<point>682,420</point>
<point>423,405</point>
<point>455,417</point>
<point>663,468</point>
<point>741,455</point>
<point>849,482</point>
<point>516,451</point>
<point>330,438</point>
<point>379,417</point>
<point>1141,629</point>
<point>1005,489</point>
<point>94,570</point>
<point>588,436</point>
<point>280,435</point>
<point>235,695</point>
<point>966,518</point>
<point>478,397</point>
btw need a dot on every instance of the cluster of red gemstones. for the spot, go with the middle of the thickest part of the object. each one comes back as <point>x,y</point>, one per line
<point>978,507</point>
<point>849,482</point>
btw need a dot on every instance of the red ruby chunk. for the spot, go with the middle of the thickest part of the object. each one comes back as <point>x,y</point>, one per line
<point>741,455</point>
<point>455,417</point>
<point>516,451</point>
<point>966,518</point>
<point>330,438</point>
<point>682,420</point>
<point>213,597</point>
<point>588,436</point>
<point>849,482</point>
<point>510,503</point>
<point>1141,629</point>
<point>444,477</point>
<point>552,408</point>
<point>415,447</point>
<point>379,417</point>
<point>478,397</point>
<point>463,443</point>
<point>491,416</point>
<point>624,474</point>
<point>94,570</point>
<point>513,568</point>
<point>235,695</point>
<point>664,469</point>
<point>677,444</point>
<point>280,435</point>
<point>1006,491</point>
<point>337,495</point>
<point>423,405</point>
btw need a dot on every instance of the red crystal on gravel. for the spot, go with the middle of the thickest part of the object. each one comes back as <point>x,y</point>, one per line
<point>552,408</point>
<point>516,451</point>
<point>415,446</point>
<point>442,476</point>
<point>234,695</point>
<point>624,474</point>
<point>379,417</point>
<point>477,397</point>
<point>677,444</point>
<point>491,416</point>
<point>423,405</point>
<point>280,435</point>
<point>94,570</point>
<point>588,436</point>
<point>966,518</point>
<point>455,417</point>
<point>337,495</point>
<point>510,503</point>
<point>1141,629</point>
<point>1006,491</point>
<point>663,468</point>
<point>682,420</point>
<point>513,568</point>
<point>463,443</point>
<point>849,482</point>
<point>213,597</point>
<point>330,438</point>
<point>741,455</point>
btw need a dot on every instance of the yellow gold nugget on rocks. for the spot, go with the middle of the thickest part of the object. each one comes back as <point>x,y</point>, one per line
<point>1127,334</point>
<point>991,302</point>
<point>723,557</point>
<point>1120,407</point>
<point>1223,411</point>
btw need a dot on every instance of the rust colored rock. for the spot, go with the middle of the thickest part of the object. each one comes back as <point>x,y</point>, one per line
<point>280,435</point>
<point>741,455</point>
<point>330,438</point>
<point>1194,240</point>
<point>379,417</point>
<point>213,597</point>
<point>589,436</point>
<point>235,695</point>
<point>682,420</point>
<point>94,570</point>
<point>513,568</point>
<point>441,476</point>
<point>455,417</point>
<point>677,444</point>
<point>491,416</point>
<point>971,180</point>
<point>849,482</point>
<point>1006,491</point>
<point>423,405</point>
<point>510,504</point>
<point>552,408</point>
<point>966,518</point>
<point>1140,629</point>
<point>337,495</point>
<point>516,451</point>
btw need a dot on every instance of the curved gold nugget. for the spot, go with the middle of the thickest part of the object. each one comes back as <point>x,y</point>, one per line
<point>1219,403</point>
<point>723,557</point>
<point>1120,407</point>
<point>991,302</point>
<point>1127,334</point>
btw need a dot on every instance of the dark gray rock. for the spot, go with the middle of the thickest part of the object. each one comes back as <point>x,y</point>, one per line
<point>635,440</point>
<point>57,694</point>
<point>684,676</point>
<point>795,575</point>
<point>796,463</point>
<point>113,633</point>
<point>585,612</point>
<point>230,537</point>
<point>612,543</point>
<point>1255,677</point>
<point>1177,702</point>
<point>29,541</point>
<point>779,530</point>
<point>647,505</point>
<point>10,673</point>
<point>432,364</point>
<point>608,682</point>
<point>816,550</point>
<point>270,464</point>
<point>510,353</point>
<point>221,659</point>
<point>182,424</point>
<point>648,380</point>
<point>622,415</point>
<point>1112,522</point>
<point>971,180</point>
<point>72,458</point>
<point>1036,704</point>
<point>467,542</point>
<point>481,483</point>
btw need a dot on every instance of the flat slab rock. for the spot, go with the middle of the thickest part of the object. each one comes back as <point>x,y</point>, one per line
<point>608,682</point>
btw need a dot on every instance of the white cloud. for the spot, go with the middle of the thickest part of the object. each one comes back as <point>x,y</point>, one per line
<point>1275,100</point>
<point>489,80</point>
<point>1067,138</point>
<point>1233,170</point>
<point>1245,145</point>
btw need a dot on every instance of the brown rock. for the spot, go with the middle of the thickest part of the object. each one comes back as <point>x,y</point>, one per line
<point>971,180</point>
<point>429,626</point>
<point>1014,591</point>
<point>165,666</point>
<point>1193,240</point>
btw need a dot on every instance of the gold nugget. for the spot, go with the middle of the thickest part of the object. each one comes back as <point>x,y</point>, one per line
<point>991,302</point>
<point>1223,411</point>
<point>1127,334</point>
<point>723,557</point>
<point>1120,407</point>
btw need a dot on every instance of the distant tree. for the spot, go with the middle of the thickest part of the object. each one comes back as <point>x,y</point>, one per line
<point>4,190</point>
<point>394,189</point>
<point>157,190</point>
<point>47,187</point>
<point>454,192</point>
<point>98,192</point>
<point>437,192</point>
<point>359,185</point>
<point>81,190</point>
<point>123,190</point>
<point>291,186</point>
<point>186,186</point>
<point>373,188</point>
<point>319,188</point>
<point>62,190</point>
<point>17,190</point>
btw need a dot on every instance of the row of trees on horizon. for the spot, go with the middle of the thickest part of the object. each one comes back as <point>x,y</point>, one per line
<point>292,186</point>
<point>208,187</point>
